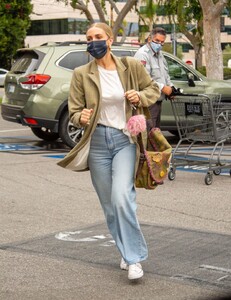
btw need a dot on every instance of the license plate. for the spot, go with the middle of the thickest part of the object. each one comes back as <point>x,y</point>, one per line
<point>11,88</point>
<point>193,109</point>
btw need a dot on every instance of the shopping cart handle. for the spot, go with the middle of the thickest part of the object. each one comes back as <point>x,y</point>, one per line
<point>175,92</point>
<point>179,92</point>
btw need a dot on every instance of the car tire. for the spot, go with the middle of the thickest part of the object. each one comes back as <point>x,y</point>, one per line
<point>69,134</point>
<point>45,134</point>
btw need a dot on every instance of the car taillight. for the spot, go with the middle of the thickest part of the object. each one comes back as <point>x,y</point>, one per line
<point>34,81</point>
<point>30,121</point>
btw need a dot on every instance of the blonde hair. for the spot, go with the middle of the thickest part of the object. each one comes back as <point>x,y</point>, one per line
<point>107,29</point>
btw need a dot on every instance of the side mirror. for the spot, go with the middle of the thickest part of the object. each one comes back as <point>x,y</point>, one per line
<point>191,79</point>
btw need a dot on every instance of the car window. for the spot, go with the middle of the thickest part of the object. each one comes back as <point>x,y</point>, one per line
<point>2,72</point>
<point>73,60</point>
<point>26,61</point>
<point>178,71</point>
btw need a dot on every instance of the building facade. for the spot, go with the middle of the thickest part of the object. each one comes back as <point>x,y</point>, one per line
<point>54,21</point>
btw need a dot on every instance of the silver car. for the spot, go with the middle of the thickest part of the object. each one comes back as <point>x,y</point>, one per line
<point>3,73</point>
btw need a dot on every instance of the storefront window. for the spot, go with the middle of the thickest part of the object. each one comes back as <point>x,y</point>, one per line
<point>46,27</point>
<point>77,26</point>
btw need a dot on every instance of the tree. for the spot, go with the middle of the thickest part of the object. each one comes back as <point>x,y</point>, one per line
<point>206,15</point>
<point>100,6</point>
<point>14,21</point>
<point>212,10</point>
<point>148,12</point>
<point>188,17</point>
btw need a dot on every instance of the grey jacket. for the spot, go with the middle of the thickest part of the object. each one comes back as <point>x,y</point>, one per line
<point>156,66</point>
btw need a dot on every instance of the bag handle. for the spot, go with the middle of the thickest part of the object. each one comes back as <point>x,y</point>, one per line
<point>140,142</point>
<point>139,136</point>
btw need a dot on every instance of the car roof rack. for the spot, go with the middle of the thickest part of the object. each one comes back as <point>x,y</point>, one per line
<point>50,44</point>
<point>69,43</point>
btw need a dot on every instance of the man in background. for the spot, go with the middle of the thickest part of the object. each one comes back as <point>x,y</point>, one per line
<point>152,58</point>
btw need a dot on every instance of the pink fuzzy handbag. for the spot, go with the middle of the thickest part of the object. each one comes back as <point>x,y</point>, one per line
<point>154,161</point>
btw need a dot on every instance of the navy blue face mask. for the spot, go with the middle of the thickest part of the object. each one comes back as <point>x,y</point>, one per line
<point>97,48</point>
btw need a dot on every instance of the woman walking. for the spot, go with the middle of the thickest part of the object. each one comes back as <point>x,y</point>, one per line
<point>103,94</point>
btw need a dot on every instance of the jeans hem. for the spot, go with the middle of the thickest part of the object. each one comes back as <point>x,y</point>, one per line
<point>132,262</point>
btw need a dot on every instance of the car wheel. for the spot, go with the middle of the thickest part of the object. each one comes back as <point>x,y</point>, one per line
<point>69,134</point>
<point>45,134</point>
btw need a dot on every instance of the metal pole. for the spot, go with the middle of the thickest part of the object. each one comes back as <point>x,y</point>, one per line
<point>174,40</point>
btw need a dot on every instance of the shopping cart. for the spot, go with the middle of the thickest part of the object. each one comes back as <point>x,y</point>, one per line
<point>201,119</point>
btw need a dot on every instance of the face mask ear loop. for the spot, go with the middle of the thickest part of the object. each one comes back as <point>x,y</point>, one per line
<point>150,46</point>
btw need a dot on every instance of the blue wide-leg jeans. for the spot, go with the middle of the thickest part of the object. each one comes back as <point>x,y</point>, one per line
<point>112,163</point>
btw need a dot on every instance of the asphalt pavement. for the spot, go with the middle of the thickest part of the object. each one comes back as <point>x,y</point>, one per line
<point>54,243</point>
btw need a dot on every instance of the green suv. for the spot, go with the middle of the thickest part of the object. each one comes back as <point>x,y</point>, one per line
<point>37,86</point>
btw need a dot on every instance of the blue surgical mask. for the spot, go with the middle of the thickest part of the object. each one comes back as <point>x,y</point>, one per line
<point>97,48</point>
<point>156,47</point>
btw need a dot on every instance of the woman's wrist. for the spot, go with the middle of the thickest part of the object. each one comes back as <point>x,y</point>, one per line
<point>139,102</point>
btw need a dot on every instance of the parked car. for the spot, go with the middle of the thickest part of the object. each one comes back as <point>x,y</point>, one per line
<point>3,73</point>
<point>37,86</point>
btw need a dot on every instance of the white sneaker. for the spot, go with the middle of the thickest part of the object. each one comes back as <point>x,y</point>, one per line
<point>123,265</point>
<point>135,271</point>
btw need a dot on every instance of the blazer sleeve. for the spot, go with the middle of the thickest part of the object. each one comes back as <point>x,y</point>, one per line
<point>76,99</point>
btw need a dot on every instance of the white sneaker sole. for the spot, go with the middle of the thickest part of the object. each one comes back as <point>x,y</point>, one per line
<point>136,276</point>
<point>132,274</point>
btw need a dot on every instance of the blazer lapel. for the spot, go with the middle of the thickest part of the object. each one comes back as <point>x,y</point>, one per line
<point>123,72</point>
<point>94,75</point>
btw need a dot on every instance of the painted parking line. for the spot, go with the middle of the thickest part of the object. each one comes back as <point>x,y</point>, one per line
<point>80,236</point>
<point>57,156</point>
<point>200,164</point>
<point>199,169</point>
<point>208,151</point>
<point>17,147</point>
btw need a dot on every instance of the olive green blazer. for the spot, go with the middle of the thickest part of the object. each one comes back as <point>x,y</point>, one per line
<point>85,92</point>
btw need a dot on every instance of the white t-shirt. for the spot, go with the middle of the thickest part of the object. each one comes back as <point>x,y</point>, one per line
<point>113,101</point>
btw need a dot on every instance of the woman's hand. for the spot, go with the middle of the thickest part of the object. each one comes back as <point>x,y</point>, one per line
<point>133,97</point>
<point>85,116</point>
